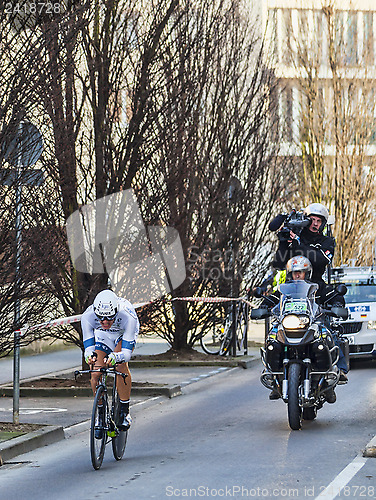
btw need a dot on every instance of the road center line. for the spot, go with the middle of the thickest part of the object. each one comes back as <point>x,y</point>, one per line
<point>345,476</point>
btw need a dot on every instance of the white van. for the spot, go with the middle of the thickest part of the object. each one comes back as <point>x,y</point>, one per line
<point>360,327</point>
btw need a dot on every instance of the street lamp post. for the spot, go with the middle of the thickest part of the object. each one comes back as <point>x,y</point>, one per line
<point>235,191</point>
<point>17,289</point>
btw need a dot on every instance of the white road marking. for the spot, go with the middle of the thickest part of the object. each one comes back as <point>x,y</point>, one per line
<point>345,476</point>
<point>205,375</point>
<point>33,411</point>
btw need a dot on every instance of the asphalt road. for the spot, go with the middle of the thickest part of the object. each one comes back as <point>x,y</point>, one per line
<point>222,438</point>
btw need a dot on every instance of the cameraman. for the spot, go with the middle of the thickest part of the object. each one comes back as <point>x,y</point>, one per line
<point>311,242</point>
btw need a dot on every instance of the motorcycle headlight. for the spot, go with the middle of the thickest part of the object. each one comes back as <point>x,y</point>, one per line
<point>294,322</point>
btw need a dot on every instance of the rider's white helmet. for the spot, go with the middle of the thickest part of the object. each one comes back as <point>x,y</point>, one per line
<point>299,263</point>
<point>319,210</point>
<point>106,305</point>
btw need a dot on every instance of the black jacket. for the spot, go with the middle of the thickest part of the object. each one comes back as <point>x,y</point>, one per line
<point>319,249</point>
<point>325,296</point>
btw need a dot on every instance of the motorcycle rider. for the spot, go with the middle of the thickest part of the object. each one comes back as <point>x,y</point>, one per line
<point>300,268</point>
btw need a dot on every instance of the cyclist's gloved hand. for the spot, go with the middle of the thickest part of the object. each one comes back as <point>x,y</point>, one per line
<point>111,359</point>
<point>89,354</point>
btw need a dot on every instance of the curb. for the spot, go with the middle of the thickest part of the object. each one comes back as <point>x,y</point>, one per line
<point>65,392</point>
<point>229,362</point>
<point>30,441</point>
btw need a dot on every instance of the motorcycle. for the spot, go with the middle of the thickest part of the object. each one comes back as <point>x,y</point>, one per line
<point>300,355</point>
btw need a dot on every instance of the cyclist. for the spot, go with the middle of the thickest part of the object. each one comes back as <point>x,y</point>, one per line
<point>110,328</point>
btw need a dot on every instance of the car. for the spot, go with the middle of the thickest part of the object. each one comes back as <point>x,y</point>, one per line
<point>360,327</point>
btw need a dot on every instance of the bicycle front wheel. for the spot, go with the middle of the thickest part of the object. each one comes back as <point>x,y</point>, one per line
<point>120,440</point>
<point>98,430</point>
<point>211,340</point>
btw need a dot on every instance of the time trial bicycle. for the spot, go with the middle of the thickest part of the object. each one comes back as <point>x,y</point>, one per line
<point>105,427</point>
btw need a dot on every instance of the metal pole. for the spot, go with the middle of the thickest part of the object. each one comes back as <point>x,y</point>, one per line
<point>17,288</point>
<point>233,305</point>
<point>246,308</point>
<point>234,321</point>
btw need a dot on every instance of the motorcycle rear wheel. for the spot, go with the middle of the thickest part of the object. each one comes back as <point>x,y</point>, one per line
<point>293,409</point>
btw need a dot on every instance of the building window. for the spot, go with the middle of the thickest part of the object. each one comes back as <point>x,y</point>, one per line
<point>340,37</point>
<point>371,116</point>
<point>286,37</point>
<point>319,25</point>
<point>272,28</point>
<point>352,39</point>
<point>368,39</point>
<point>286,114</point>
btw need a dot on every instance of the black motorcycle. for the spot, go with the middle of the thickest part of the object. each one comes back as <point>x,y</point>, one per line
<point>300,356</point>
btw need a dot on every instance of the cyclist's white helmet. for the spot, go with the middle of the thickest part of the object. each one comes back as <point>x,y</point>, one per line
<point>106,305</point>
<point>319,210</point>
<point>299,263</point>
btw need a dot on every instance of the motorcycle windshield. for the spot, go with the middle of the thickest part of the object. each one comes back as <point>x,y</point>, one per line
<point>298,289</point>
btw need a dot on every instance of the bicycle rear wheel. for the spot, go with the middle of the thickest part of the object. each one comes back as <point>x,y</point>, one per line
<point>98,430</point>
<point>120,440</point>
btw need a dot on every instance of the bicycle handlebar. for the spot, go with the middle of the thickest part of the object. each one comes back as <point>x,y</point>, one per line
<point>104,369</point>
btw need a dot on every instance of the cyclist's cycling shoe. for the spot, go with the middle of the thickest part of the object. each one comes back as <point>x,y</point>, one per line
<point>125,422</point>
<point>99,423</point>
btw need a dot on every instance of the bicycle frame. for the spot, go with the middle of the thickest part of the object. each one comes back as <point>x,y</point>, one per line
<point>108,431</point>
<point>234,334</point>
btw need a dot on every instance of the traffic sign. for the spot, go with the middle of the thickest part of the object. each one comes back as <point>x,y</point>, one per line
<point>23,145</point>
<point>34,178</point>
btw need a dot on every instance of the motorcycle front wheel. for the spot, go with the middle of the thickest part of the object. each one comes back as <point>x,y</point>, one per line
<point>293,408</point>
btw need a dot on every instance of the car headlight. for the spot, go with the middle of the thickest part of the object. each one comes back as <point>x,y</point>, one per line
<point>371,325</point>
<point>294,322</point>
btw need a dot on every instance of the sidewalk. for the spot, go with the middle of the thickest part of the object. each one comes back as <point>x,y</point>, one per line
<point>41,364</point>
<point>63,416</point>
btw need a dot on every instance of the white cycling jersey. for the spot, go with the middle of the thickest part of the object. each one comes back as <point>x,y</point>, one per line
<point>125,329</point>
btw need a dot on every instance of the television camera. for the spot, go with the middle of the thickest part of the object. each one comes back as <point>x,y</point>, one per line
<point>296,221</point>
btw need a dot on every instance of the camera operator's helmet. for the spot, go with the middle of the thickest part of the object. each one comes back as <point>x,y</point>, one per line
<point>320,211</point>
<point>299,263</point>
<point>106,305</point>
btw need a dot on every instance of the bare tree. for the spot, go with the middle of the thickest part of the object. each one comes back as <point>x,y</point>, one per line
<point>172,100</point>
<point>215,177</point>
<point>334,138</point>
<point>20,57</point>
